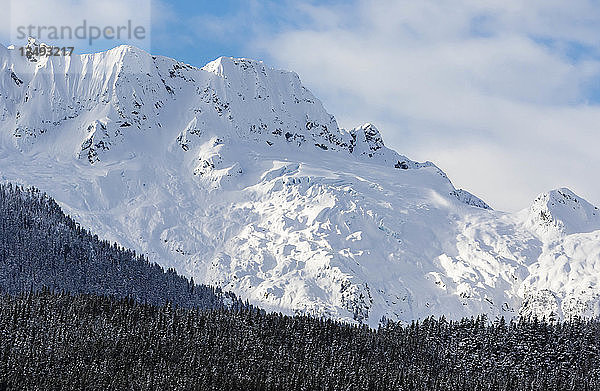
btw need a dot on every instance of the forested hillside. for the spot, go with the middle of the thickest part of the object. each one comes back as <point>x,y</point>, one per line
<point>59,341</point>
<point>41,247</point>
<point>79,313</point>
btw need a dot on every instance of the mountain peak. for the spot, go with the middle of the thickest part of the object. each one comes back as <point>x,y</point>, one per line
<point>122,99</point>
<point>33,42</point>
<point>367,139</point>
<point>224,66</point>
<point>561,211</point>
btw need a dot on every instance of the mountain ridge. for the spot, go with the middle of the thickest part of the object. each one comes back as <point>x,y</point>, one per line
<point>237,176</point>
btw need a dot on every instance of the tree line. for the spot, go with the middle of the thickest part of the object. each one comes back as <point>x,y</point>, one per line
<point>63,341</point>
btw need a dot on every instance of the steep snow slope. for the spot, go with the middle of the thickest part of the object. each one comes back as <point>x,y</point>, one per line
<point>236,175</point>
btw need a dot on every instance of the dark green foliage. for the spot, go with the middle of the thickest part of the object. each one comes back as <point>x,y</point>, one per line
<point>59,341</point>
<point>42,247</point>
<point>118,333</point>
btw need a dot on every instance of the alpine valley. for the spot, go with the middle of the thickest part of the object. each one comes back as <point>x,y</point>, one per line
<point>234,174</point>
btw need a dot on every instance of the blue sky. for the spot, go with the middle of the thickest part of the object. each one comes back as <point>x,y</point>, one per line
<point>504,95</point>
<point>192,41</point>
<point>197,32</point>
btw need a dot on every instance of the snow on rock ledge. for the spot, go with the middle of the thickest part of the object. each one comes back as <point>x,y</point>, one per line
<point>562,212</point>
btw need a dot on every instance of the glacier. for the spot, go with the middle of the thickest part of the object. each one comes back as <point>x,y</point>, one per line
<point>236,175</point>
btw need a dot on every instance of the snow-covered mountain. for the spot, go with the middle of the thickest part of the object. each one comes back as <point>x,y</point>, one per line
<point>236,175</point>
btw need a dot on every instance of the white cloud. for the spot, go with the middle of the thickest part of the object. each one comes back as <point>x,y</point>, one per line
<point>495,92</point>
